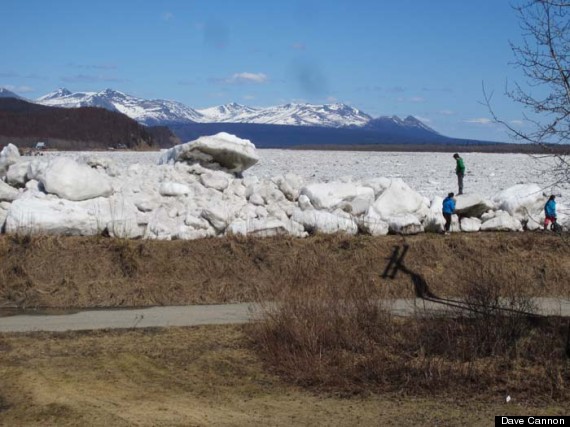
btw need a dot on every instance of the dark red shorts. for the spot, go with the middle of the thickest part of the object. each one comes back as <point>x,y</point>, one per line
<point>549,219</point>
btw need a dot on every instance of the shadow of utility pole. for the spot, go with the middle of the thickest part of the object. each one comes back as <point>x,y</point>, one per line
<point>422,290</point>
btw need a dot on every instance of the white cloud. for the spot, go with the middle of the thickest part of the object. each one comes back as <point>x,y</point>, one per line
<point>299,46</point>
<point>417,99</point>
<point>480,121</point>
<point>331,99</point>
<point>517,122</point>
<point>19,89</point>
<point>257,78</point>
<point>248,97</point>
<point>167,16</point>
<point>447,112</point>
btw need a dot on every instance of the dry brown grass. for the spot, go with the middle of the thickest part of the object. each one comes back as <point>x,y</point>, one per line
<point>101,272</point>
<point>341,339</point>
<point>333,336</point>
<point>197,376</point>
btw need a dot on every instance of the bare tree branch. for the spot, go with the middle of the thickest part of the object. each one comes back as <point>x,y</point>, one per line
<point>544,58</point>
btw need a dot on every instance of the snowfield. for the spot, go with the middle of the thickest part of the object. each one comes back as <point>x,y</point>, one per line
<point>219,185</point>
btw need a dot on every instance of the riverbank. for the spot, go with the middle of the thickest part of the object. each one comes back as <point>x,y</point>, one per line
<point>86,272</point>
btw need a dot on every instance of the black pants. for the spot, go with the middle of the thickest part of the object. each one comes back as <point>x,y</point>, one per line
<point>447,221</point>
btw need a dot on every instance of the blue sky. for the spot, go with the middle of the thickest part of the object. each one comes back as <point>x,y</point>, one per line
<point>385,57</point>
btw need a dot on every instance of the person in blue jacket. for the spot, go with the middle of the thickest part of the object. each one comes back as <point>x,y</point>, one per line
<point>448,210</point>
<point>550,212</point>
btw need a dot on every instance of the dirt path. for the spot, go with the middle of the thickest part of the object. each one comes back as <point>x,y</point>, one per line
<point>195,315</point>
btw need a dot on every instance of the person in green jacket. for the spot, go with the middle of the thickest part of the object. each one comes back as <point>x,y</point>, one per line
<point>460,172</point>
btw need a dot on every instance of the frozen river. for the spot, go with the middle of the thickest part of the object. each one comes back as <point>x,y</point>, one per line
<point>428,173</point>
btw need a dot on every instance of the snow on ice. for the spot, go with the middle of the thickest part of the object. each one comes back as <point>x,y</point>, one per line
<point>221,185</point>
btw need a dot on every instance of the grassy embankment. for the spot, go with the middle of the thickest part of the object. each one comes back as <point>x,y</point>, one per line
<point>326,353</point>
<point>67,272</point>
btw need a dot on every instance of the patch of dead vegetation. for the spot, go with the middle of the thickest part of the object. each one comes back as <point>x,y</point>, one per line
<point>343,339</point>
<point>197,376</point>
<point>70,272</point>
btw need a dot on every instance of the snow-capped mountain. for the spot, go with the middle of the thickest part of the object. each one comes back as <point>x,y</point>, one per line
<point>5,93</point>
<point>411,121</point>
<point>229,113</point>
<point>162,112</point>
<point>328,115</point>
<point>60,93</point>
<point>148,112</point>
<point>396,123</point>
<point>152,112</point>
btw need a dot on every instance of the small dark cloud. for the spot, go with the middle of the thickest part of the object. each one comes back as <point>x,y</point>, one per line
<point>87,78</point>
<point>299,46</point>
<point>216,35</point>
<point>8,74</point>
<point>311,79</point>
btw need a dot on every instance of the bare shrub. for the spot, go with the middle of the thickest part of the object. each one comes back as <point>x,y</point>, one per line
<point>127,256</point>
<point>492,317</point>
<point>315,333</point>
<point>345,340</point>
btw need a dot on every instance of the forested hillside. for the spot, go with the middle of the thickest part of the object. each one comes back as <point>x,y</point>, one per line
<point>76,129</point>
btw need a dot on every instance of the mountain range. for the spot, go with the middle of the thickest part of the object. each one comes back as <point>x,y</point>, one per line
<point>282,126</point>
<point>162,112</point>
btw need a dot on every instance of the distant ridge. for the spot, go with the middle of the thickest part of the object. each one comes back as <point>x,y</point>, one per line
<point>147,112</point>
<point>5,93</point>
<point>75,129</point>
<point>282,126</point>
<point>162,112</point>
